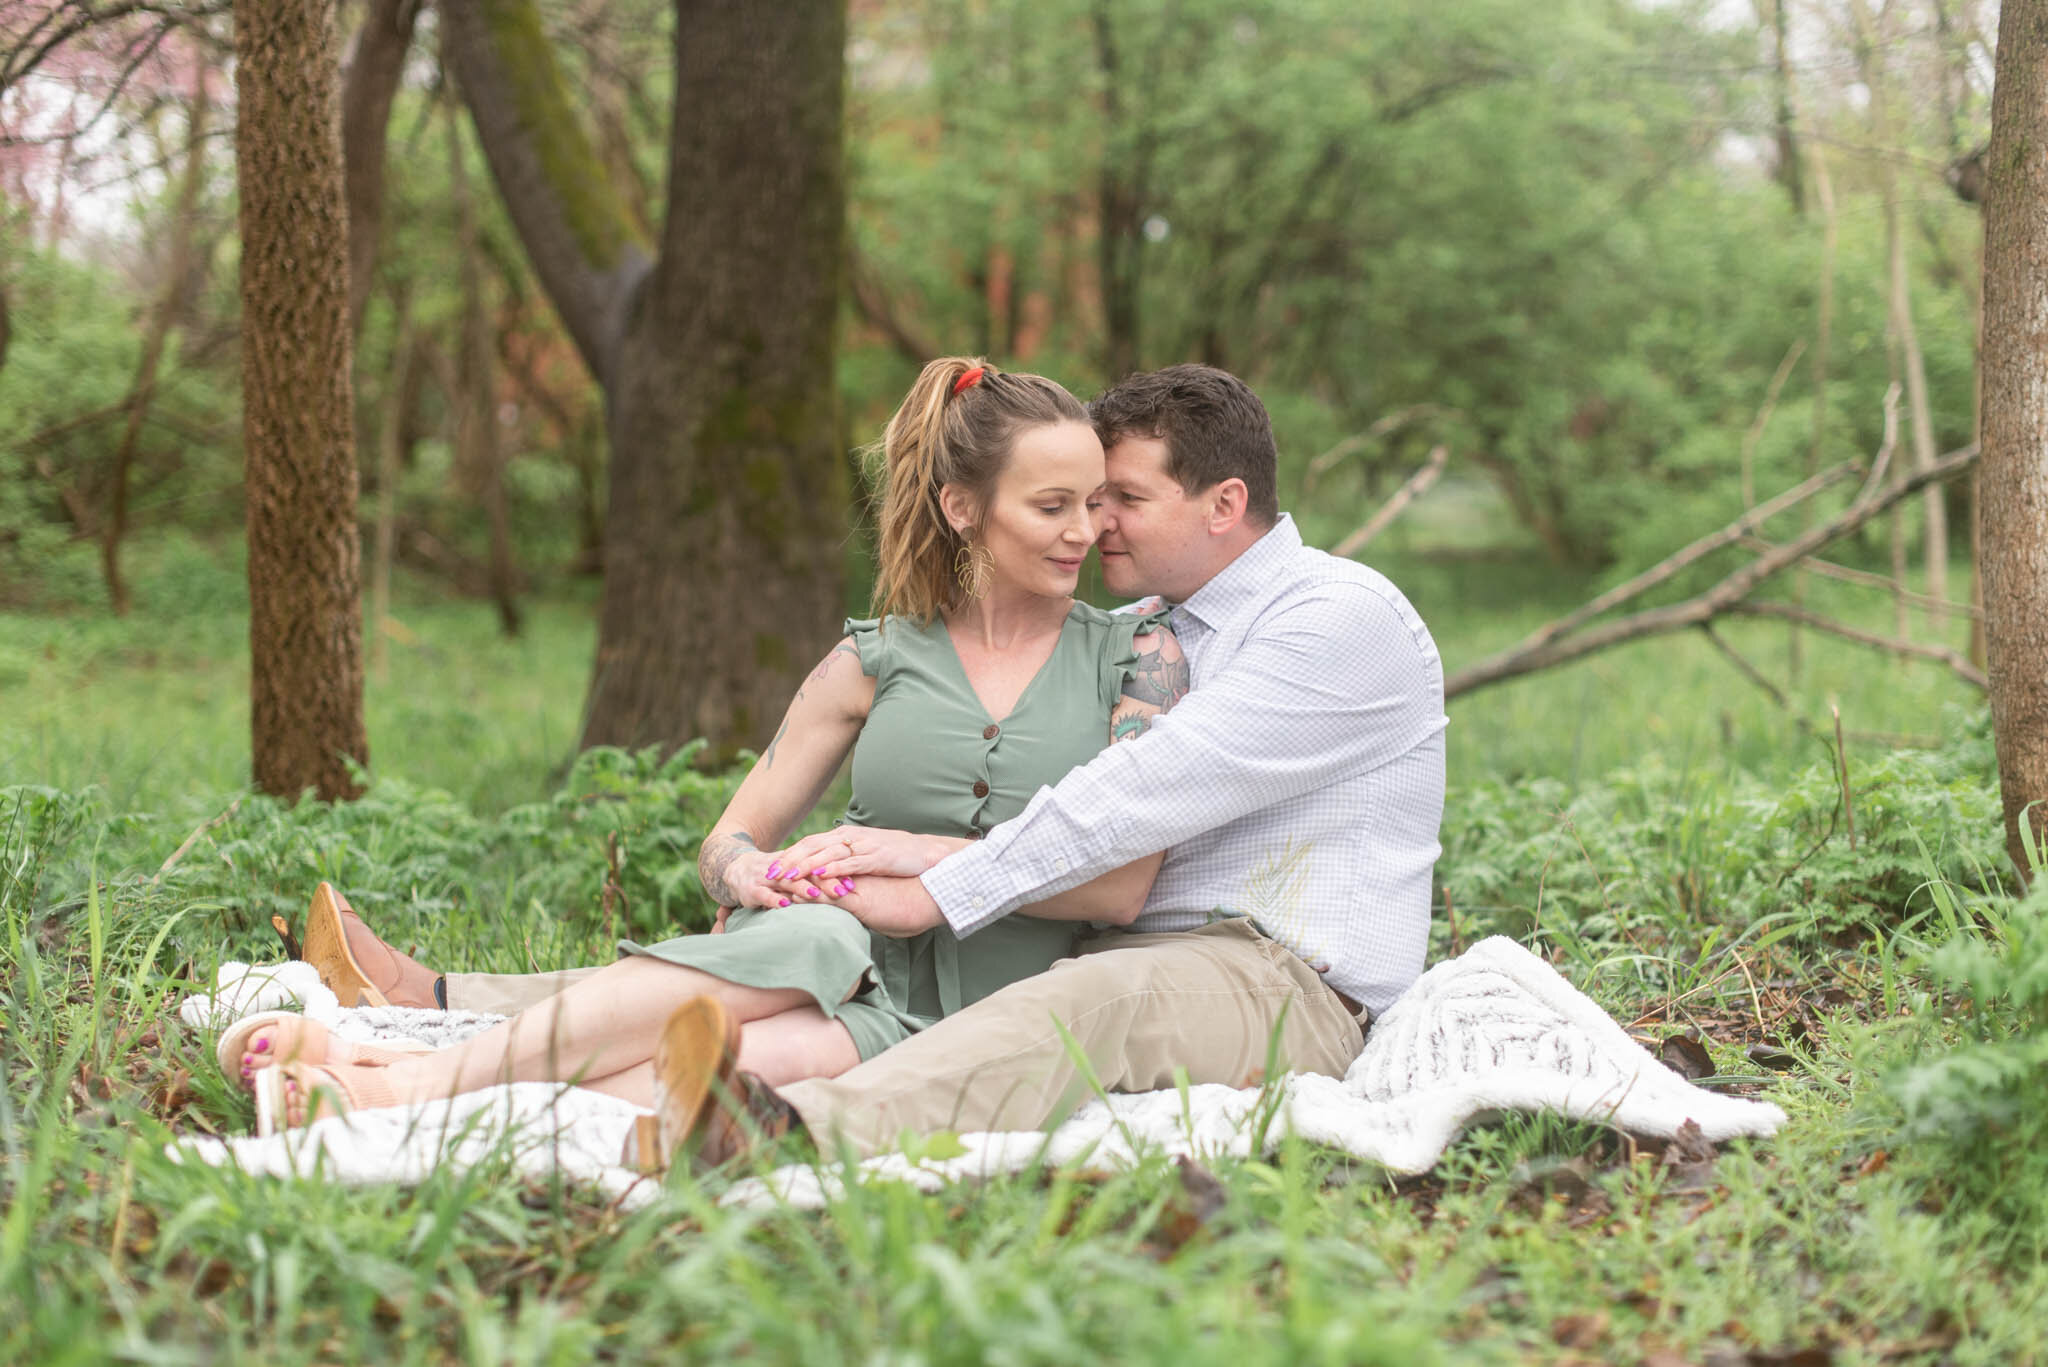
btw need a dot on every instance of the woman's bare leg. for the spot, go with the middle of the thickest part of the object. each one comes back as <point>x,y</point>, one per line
<point>779,1049</point>
<point>605,1024</point>
<point>796,1044</point>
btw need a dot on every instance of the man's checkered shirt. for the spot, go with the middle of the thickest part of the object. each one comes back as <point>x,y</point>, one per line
<point>1300,782</point>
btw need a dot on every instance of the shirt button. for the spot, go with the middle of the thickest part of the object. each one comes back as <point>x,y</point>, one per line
<point>1059,866</point>
<point>977,904</point>
<point>980,788</point>
<point>990,731</point>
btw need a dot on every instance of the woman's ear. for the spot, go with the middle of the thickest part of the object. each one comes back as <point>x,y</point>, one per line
<point>959,507</point>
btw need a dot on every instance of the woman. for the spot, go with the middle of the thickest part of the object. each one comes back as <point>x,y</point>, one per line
<point>980,681</point>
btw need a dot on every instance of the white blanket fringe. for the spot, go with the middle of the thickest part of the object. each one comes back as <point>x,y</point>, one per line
<point>1492,1031</point>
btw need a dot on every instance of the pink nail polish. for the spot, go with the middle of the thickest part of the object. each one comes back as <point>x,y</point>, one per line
<point>843,888</point>
<point>812,892</point>
<point>263,1046</point>
<point>817,873</point>
<point>774,869</point>
<point>783,903</point>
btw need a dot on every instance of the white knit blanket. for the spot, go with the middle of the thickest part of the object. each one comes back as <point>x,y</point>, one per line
<point>1492,1031</point>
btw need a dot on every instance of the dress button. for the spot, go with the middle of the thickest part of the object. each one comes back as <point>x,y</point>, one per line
<point>990,731</point>
<point>980,788</point>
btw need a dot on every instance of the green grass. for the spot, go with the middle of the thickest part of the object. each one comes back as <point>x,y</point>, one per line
<point>1650,820</point>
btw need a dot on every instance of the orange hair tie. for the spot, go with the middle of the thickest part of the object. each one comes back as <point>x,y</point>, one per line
<point>970,378</point>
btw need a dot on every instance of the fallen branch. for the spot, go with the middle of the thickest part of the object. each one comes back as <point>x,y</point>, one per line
<point>1545,649</point>
<point>1415,487</point>
<point>193,839</point>
<point>1913,649</point>
<point>1828,569</point>
<point>1699,550</point>
<point>1359,441</point>
<point>1745,668</point>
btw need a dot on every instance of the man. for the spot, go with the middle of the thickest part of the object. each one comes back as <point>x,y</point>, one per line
<point>1297,790</point>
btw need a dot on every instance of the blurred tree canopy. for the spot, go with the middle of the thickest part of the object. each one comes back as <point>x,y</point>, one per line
<point>1573,243</point>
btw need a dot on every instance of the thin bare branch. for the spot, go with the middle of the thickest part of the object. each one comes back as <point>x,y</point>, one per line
<point>1413,488</point>
<point>1745,668</point>
<point>1755,433</point>
<point>1545,649</point>
<point>1911,649</point>
<point>1690,555</point>
<point>1828,569</point>
<point>1381,428</point>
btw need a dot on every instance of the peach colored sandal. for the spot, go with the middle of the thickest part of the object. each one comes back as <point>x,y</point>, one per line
<point>298,1039</point>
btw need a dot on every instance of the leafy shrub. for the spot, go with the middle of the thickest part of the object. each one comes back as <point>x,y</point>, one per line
<point>1974,1115</point>
<point>526,887</point>
<point>1659,850</point>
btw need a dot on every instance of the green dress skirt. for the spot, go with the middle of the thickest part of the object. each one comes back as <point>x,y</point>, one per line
<point>930,759</point>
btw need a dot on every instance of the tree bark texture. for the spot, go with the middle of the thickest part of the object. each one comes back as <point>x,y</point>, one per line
<point>577,232</point>
<point>722,572</point>
<point>305,610</point>
<point>2013,485</point>
<point>722,552</point>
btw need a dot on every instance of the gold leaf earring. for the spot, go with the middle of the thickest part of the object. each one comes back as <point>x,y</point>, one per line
<point>974,565</point>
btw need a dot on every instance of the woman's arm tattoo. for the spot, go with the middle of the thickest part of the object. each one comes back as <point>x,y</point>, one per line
<point>716,857</point>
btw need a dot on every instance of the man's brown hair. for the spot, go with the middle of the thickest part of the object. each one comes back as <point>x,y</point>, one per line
<point>1214,428</point>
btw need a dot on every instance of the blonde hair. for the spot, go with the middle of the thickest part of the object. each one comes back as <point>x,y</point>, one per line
<point>940,437</point>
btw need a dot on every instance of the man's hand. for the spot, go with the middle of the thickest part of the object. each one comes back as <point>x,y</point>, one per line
<point>896,907</point>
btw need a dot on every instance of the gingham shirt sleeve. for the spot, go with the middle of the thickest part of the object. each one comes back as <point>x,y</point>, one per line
<point>1328,684</point>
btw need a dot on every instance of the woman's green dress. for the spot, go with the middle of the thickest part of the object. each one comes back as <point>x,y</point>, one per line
<point>930,759</point>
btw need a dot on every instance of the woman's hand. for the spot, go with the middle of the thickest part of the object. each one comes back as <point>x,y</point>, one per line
<point>831,859</point>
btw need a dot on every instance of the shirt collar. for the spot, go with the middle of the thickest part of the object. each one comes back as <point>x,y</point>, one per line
<point>1245,582</point>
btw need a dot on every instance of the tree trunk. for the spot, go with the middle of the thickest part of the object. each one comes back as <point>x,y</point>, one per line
<point>2014,483</point>
<point>727,501</point>
<point>722,573</point>
<point>404,357</point>
<point>1787,169</point>
<point>183,260</point>
<point>1117,209</point>
<point>375,67</point>
<point>1890,132</point>
<point>1824,191</point>
<point>305,608</point>
<point>479,454</point>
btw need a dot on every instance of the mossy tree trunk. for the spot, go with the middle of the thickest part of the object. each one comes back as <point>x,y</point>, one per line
<point>305,605</point>
<point>727,499</point>
<point>2013,483</point>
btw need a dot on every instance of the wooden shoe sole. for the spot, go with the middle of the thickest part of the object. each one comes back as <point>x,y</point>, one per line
<point>326,948</point>
<point>695,1061</point>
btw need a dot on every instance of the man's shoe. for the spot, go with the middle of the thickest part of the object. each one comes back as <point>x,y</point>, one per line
<point>707,1111</point>
<point>355,965</point>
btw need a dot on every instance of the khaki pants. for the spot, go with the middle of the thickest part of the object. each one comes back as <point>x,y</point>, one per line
<point>1136,1006</point>
<point>507,994</point>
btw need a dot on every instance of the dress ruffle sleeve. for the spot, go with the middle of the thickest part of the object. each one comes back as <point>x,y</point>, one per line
<point>1119,654</point>
<point>870,642</point>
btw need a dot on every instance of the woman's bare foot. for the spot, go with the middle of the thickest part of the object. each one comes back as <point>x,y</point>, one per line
<point>287,1037</point>
<point>357,966</point>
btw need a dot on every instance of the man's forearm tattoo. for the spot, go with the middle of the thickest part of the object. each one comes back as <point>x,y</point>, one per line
<point>1128,725</point>
<point>715,858</point>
